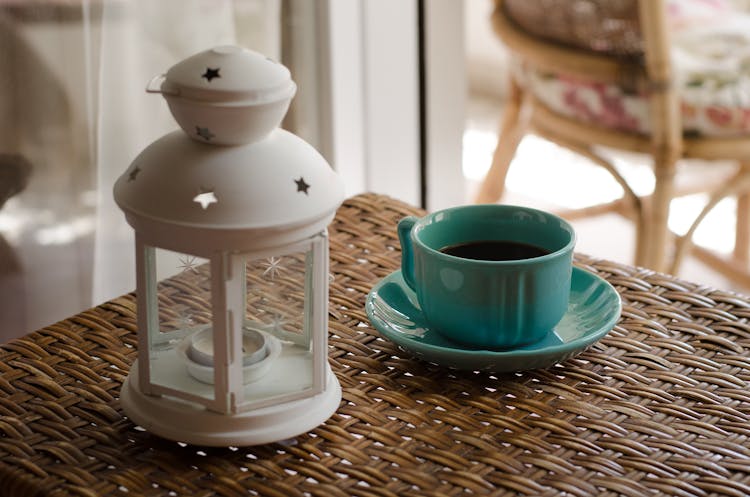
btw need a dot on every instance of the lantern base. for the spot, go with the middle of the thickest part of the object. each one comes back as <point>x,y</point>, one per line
<point>179,421</point>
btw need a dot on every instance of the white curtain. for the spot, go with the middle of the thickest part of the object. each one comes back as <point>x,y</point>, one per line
<point>73,108</point>
<point>141,39</point>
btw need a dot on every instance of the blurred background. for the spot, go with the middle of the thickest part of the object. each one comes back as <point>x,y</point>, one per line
<point>403,97</point>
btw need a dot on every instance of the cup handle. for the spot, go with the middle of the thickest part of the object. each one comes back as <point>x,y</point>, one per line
<point>407,251</point>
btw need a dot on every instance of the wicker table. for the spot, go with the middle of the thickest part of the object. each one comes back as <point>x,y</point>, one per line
<point>660,406</point>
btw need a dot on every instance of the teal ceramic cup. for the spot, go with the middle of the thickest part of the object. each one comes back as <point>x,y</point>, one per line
<point>495,304</point>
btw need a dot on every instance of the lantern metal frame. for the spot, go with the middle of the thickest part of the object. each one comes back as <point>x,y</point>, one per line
<point>228,295</point>
<point>231,188</point>
<point>229,418</point>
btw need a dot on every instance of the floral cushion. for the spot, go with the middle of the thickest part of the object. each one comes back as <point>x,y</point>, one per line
<point>711,57</point>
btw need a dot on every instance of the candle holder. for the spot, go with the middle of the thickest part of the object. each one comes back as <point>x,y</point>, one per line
<point>230,217</point>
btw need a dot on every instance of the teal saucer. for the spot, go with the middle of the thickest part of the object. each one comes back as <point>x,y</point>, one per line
<point>593,310</point>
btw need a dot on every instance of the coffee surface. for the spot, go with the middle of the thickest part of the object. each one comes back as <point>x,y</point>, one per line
<point>494,250</point>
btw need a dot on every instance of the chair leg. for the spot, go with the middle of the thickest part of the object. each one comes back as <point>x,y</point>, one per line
<point>657,229</point>
<point>640,257</point>
<point>511,131</point>
<point>742,235</point>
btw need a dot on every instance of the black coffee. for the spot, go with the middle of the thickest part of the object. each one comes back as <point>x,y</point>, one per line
<point>494,250</point>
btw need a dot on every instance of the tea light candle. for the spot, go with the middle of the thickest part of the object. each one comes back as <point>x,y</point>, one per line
<point>201,349</point>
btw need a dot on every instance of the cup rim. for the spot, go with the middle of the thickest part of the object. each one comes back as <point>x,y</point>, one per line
<point>429,218</point>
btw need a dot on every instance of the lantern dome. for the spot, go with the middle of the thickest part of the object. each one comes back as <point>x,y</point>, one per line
<point>249,196</point>
<point>229,74</point>
<point>226,95</point>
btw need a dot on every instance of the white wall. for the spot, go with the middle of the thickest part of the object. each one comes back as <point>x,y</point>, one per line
<point>445,102</point>
<point>374,96</point>
<point>485,56</point>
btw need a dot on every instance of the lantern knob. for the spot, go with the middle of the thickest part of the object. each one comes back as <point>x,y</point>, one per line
<point>226,95</point>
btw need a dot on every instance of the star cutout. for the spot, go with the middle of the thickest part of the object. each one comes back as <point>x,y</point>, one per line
<point>185,321</point>
<point>204,133</point>
<point>277,323</point>
<point>188,263</point>
<point>301,185</point>
<point>211,74</point>
<point>133,173</point>
<point>273,267</point>
<point>206,197</point>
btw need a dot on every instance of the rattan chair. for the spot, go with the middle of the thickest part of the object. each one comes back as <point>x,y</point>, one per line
<point>624,43</point>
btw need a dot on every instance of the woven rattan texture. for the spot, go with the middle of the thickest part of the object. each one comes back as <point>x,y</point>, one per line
<point>659,407</point>
<point>607,26</point>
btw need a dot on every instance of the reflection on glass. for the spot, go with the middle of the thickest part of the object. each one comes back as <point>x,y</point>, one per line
<point>276,293</point>
<point>184,310</point>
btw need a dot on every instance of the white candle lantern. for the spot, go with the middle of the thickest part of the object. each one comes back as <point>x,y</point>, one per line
<point>230,217</point>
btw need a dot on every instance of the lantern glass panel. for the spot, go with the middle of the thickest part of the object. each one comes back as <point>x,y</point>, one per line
<point>184,309</point>
<point>278,303</point>
<point>276,295</point>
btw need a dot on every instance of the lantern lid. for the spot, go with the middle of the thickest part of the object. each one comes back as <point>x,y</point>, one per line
<point>229,74</point>
<point>276,184</point>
